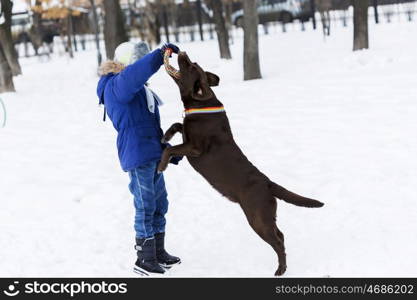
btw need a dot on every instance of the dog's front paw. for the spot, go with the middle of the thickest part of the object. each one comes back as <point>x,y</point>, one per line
<point>162,167</point>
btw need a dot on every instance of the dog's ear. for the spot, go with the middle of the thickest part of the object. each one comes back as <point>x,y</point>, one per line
<point>213,79</point>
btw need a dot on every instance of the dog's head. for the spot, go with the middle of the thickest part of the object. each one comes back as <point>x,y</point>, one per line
<point>193,81</point>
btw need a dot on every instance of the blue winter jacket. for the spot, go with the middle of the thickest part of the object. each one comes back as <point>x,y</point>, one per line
<point>122,93</point>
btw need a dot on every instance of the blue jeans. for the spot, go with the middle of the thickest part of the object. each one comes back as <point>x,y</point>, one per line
<point>150,199</point>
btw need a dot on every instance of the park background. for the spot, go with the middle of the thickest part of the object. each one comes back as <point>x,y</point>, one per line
<point>324,104</point>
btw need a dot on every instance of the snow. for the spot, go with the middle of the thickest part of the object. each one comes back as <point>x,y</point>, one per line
<point>324,122</point>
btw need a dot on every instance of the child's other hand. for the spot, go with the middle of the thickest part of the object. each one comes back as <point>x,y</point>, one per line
<point>173,47</point>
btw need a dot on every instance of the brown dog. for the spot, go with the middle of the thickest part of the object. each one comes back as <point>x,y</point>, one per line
<point>211,150</point>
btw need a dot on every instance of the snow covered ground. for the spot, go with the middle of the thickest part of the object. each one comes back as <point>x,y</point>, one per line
<point>324,122</point>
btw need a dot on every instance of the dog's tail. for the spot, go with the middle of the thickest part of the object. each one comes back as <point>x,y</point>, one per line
<point>290,197</point>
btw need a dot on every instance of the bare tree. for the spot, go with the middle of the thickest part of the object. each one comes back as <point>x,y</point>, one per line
<point>69,30</point>
<point>221,30</point>
<point>151,23</point>
<point>360,24</point>
<point>6,77</point>
<point>96,31</point>
<point>6,39</point>
<point>114,27</point>
<point>376,14</point>
<point>324,7</point>
<point>190,18</point>
<point>173,9</point>
<point>251,65</point>
<point>199,19</point>
<point>313,13</point>
<point>163,8</point>
<point>37,29</point>
<point>228,18</point>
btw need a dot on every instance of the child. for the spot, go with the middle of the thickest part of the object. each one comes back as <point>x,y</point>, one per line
<point>133,109</point>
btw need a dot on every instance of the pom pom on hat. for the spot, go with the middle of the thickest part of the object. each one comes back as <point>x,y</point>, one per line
<point>129,52</point>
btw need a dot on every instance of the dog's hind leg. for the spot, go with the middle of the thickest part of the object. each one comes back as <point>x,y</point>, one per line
<point>262,220</point>
<point>279,248</point>
<point>270,233</point>
<point>176,127</point>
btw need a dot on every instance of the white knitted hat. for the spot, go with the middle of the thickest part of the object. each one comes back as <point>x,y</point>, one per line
<point>129,52</point>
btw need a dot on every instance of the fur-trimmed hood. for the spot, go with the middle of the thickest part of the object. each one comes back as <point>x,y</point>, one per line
<point>110,66</point>
<point>106,68</point>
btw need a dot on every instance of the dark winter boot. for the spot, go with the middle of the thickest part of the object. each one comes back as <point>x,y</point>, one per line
<point>147,262</point>
<point>164,259</point>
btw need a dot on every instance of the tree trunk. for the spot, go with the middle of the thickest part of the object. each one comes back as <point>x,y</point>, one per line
<point>376,14</point>
<point>324,7</point>
<point>199,19</point>
<point>114,28</point>
<point>325,21</point>
<point>36,30</point>
<point>313,13</point>
<point>228,18</point>
<point>174,20</point>
<point>156,8</point>
<point>6,76</point>
<point>151,23</point>
<point>360,25</point>
<point>6,40</point>
<point>69,35</point>
<point>74,33</point>
<point>157,26</point>
<point>140,26</point>
<point>221,30</point>
<point>157,29</point>
<point>96,32</point>
<point>165,21</point>
<point>251,66</point>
